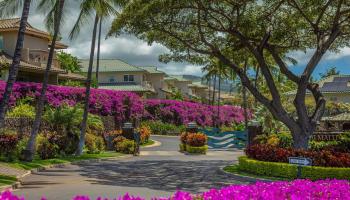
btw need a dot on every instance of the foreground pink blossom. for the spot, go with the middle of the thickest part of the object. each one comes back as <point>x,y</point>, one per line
<point>280,190</point>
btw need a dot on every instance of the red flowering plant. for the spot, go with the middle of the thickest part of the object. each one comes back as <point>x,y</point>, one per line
<point>196,139</point>
<point>325,158</point>
<point>8,143</point>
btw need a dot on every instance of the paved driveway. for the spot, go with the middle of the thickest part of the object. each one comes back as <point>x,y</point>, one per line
<point>159,171</point>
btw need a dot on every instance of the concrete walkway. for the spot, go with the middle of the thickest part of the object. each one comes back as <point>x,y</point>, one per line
<point>159,171</point>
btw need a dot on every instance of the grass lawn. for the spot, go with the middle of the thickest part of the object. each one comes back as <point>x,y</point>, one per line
<point>42,163</point>
<point>150,142</point>
<point>7,180</point>
<point>235,170</point>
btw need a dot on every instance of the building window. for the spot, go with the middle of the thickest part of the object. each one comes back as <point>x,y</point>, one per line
<point>1,42</point>
<point>128,78</point>
<point>111,80</point>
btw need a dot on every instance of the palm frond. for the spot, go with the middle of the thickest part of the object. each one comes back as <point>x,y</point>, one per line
<point>9,8</point>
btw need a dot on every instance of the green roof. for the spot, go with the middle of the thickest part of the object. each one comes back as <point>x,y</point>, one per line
<point>152,70</point>
<point>127,88</point>
<point>179,78</point>
<point>110,65</point>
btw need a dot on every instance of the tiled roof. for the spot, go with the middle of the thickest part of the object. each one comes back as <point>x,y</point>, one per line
<point>152,70</point>
<point>13,24</point>
<point>333,84</point>
<point>110,65</point>
<point>72,76</point>
<point>198,85</point>
<point>179,78</point>
<point>4,58</point>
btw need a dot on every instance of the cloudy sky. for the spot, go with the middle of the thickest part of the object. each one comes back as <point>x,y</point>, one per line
<point>136,52</point>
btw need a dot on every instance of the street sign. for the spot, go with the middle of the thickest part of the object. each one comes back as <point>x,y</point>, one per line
<point>300,161</point>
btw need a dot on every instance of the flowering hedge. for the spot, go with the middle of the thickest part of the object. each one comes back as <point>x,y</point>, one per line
<point>178,112</point>
<point>113,103</point>
<point>281,190</point>
<point>325,158</point>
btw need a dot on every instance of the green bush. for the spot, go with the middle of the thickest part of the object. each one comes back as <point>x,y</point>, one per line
<point>22,110</point>
<point>125,146</point>
<point>197,150</point>
<point>285,170</point>
<point>45,148</point>
<point>283,139</point>
<point>94,144</point>
<point>160,128</point>
<point>320,145</point>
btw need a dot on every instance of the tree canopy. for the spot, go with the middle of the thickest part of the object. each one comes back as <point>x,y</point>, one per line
<point>194,30</point>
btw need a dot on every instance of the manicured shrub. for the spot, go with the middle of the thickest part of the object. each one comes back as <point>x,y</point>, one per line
<point>46,149</point>
<point>285,170</point>
<point>8,143</point>
<point>94,144</point>
<point>182,147</point>
<point>196,139</point>
<point>324,158</point>
<point>124,145</point>
<point>196,149</point>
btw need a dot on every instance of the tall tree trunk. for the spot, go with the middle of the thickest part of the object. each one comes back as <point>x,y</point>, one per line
<point>209,85</point>
<point>13,71</point>
<point>245,103</point>
<point>214,88</point>
<point>219,93</point>
<point>87,92</point>
<point>256,83</point>
<point>98,50</point>
<point>29,152</point>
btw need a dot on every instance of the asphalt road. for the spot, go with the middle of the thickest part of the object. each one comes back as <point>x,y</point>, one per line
<point>159,171</point>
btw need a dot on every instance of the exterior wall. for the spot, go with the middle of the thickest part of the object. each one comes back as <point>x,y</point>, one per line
<point>104,77</point>
<point>183,87</point>
<point>30,42</point>
<point>157,82</point>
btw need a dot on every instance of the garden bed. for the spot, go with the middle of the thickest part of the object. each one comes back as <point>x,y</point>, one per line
<point>288,171</point>
<point>38,163</point>
<point>7,180</point>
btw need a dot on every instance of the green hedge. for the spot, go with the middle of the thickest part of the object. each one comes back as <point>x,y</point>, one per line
<point>197,150</point>
<point>160,128</point>
<point>285,170</point>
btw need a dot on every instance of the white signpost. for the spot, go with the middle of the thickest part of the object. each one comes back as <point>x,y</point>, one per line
<point>300,161</point>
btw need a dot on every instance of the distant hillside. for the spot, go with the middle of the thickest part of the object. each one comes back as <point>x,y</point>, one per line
<point>226,85</point>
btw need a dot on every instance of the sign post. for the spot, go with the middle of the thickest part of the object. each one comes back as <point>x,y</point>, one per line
<point>300,161</point>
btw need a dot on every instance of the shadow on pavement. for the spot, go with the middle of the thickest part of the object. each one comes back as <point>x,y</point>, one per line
<point>192,176</point>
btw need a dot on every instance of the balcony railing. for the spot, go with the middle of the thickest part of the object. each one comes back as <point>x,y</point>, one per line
<point>38,57</point>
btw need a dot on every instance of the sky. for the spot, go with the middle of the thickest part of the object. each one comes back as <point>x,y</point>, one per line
<point>136,52</point>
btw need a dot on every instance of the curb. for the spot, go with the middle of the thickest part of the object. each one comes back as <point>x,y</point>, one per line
<point>243,178</point>
<point>156,144</point>
<point>17,184</point>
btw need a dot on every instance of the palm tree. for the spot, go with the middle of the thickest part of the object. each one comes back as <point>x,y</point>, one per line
<point>101,9</point>
<point>53,19</point>
<point>218,70</point>
<point>8,7</point>
<point>98,50</point>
